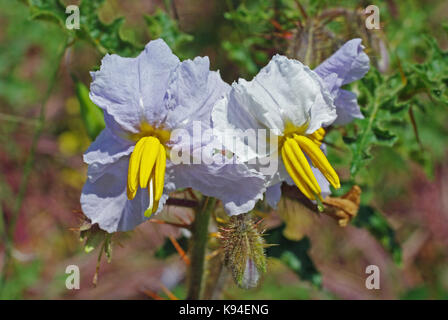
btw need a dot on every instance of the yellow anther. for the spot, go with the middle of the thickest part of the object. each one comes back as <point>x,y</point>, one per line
<point>147,170</point>
<point>318,159</point>
<point>300,163</point>
<point>148,159</point>
<point>134,168</point>
<point>159,176</point>
<point>296,176</point>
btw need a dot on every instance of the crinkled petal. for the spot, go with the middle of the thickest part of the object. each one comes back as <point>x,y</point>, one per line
<point>230,127</point>
<point>131,90</point>
<point>104,199</point>
<point>107,148</point>
<point>193,90</point>
<point>350,63</point>
<point>273,195</point>
<point>132,218</point>
<point>234,184</point>
<point>347,107</point>
<point>284,92</point>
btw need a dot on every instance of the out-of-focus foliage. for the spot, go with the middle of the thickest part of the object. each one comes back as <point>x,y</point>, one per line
<point>91,115</point>
<point>25,276</point>
<point>106,37</point>
<point>161,25</point>
<point>167,249</point>
<point>252,22</point>
<point>386,99</point>
<point>294,254</point>
<point>375,223</point>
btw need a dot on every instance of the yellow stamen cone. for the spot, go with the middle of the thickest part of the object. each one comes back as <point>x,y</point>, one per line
<point>318,159</point>
<point>148,159</point>
<point>296,177</point>
<point>300,163</point>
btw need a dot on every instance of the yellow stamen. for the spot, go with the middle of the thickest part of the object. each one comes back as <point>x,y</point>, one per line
<point>151,206</point>
<point>149,156</point>
<point>147,170</point>
<point>134,167</point>
<point>159,176</point>
<point>297,172</point>
<point>296,178</point>
<point>300,163</point>
<point>318,159</point>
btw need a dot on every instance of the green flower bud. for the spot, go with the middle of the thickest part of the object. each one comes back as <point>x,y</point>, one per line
<point>243,245</point>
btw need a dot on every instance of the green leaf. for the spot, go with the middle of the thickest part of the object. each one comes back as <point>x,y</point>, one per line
<point>92,116</point>
<point>377,225</point>
<point>294,254</point>
<point>161,25</point>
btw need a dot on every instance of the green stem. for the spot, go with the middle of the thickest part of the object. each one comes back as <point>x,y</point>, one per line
<point>198,246</point>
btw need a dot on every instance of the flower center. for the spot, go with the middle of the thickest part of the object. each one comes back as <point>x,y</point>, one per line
<point>147,170</point>
<point>293,149</point>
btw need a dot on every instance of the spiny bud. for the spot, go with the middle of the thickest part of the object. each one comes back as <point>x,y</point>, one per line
<point>243,246</point>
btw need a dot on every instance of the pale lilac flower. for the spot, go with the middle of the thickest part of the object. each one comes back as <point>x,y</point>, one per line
<point>292,102</point>
<point>348,64</point>
<point>144,100</point>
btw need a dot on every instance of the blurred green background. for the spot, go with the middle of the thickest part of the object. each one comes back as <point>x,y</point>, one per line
<point>405,180</point>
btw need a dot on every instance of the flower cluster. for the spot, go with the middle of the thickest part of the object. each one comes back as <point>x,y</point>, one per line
<point>146,99</point>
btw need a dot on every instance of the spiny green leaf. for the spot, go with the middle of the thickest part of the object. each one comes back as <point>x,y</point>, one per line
<point>379,109</point>
<point>386,100</point>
